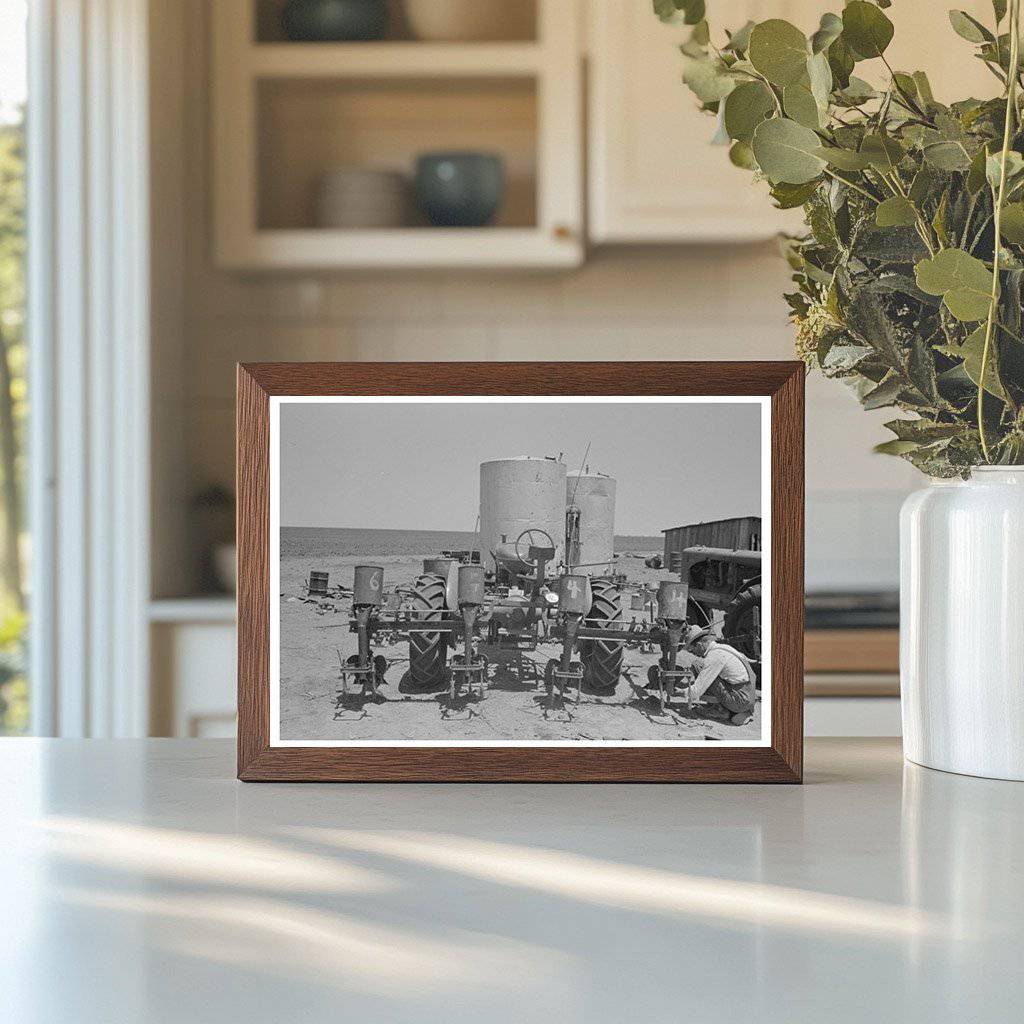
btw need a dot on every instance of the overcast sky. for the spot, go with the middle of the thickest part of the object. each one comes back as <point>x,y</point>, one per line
<point>416,466</point>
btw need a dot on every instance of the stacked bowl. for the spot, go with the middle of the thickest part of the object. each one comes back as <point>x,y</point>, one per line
<point>362,197</point>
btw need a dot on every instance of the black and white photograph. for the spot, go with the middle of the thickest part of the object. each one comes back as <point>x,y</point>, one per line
<point>515,571</point>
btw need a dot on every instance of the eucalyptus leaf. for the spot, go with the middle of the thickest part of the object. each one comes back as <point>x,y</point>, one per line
<point>739,41</point>
<point>963,281</point>
<point>972,351</point>
<point>787,152</point>
<point>844,159</point>
<point>840,60</point>
<point>708,80</point>
<point>924,87</point>
<point>969,28</point>
<point>921,371</point>
<point>868,320</point>
<point>993,167</point>
<point>866,29</point>
<point>779,51</point>
<point>801,106</point>
<point>883,152</point>
<point>947,156</point>
<point>1012,223</point>
<point>693,10</point>
<point>721,136</point>
<point>690,12</point>
<point>741,155</point>
<point>829,30</point>
<point>701,34</point>
<point>892,277</point>
<point>895,212</point>
<point>666,10</point>
<point>883,395</point>
<point>922,185</point>
<point>843,358</point>
<point>889,246</point>
<point>819,76</point>
<point>976,176</point>
<point>788,196</point>
<point>939,220</point>
<point>923,431</point>
<point>857,91</point>
<point>905,84</point>
<point>895,447</point>
<point>745,108</point>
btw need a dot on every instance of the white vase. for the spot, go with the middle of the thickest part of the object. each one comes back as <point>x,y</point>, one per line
<point>962,624</point>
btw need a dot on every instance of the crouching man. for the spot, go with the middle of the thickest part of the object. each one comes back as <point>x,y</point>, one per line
<point>726,677</point>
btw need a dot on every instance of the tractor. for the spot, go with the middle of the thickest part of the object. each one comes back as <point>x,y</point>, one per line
<point>519,605</point>
<point>729,581</point>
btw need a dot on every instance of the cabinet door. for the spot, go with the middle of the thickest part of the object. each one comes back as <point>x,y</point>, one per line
<point>654,176</point>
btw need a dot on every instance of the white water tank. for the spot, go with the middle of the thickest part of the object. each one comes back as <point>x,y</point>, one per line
<point>521,494</point>
<point>593,494</point>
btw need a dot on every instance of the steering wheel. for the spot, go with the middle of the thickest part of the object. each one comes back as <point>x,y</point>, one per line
<point>529,536</point>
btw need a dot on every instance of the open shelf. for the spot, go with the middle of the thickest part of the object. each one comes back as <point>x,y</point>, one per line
<point>406,248</point>
<point>309,127</point>
<point>520,23</point>
<point>286,114</point>
<point>393,60</point>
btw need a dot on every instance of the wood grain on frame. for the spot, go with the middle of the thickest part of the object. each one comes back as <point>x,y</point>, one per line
<point>782,761</point>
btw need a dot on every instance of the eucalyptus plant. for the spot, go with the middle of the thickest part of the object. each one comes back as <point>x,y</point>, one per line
<point>910,277</point>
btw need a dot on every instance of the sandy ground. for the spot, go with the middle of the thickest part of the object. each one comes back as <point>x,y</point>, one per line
<point>315,637</point>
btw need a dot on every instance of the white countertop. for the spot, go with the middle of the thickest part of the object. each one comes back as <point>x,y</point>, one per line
<point>140,882</point>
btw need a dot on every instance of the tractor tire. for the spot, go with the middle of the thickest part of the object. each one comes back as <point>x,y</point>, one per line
<point>602,659</point>
<point>742,626</point>
<point>428,652</point>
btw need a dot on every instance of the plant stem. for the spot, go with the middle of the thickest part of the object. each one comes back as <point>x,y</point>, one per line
<point>980,232</point>
<point>775,98</point>
<point>894,183</point>
<point>853,185</point>
<point>1011,108</point>
<point>910,102</point>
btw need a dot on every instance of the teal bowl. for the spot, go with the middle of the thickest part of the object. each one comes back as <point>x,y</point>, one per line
<point>334,21</point>
<point>460,190</point>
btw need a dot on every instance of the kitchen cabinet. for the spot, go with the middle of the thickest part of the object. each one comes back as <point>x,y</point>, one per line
<point>286,114</point>
<point>653,177</point>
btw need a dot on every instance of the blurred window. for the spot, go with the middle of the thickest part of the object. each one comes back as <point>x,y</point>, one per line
<point>14,539</point>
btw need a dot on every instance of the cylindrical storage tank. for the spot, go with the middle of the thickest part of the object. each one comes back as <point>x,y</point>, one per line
<point>521,494</point>
<point>594,495</point>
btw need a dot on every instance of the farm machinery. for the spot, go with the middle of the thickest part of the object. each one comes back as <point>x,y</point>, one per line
<point>452,609</point>
<point>556,583</point>
<point>726,580</point>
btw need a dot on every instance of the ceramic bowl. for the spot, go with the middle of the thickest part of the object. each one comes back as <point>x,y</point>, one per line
<point>333,21</point>
<point>470,20</point>
<point>359,197</point>
<point>460,189</point>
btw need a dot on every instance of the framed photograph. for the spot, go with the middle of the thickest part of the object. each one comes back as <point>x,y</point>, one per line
<point>576,572</point>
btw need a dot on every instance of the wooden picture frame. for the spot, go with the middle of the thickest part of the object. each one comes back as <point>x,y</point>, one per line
<point>779,760</point>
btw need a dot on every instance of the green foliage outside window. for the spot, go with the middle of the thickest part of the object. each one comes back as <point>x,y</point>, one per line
<point>13,413</point>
